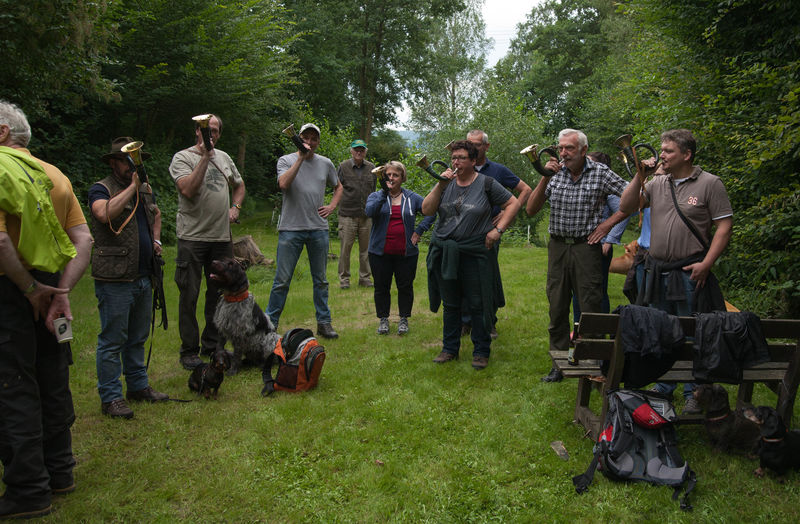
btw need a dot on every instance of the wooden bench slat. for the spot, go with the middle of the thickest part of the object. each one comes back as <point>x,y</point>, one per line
<point>596,342</point>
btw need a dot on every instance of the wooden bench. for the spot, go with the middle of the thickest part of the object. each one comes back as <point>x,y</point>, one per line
<point>781,374</point>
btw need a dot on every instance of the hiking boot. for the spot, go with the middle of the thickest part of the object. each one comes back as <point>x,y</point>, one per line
<point>11,509</point>
<point>344,285</point>
<point>191,361</point>
<point>480,362</point>
<point>149,394</point>
<point>366,283</point>
<point>117,408</point>
<point>402,327</point>
<point>555,375</point>
<point>692,407</point>
<point>326,331</point>
<point>466,329</point>
<point>383,326</point>
<point>493,333</point>
<point>62,490</point>
<point>444,356</point>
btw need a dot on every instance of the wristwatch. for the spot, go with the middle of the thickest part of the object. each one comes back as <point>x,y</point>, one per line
<point>499,230</point>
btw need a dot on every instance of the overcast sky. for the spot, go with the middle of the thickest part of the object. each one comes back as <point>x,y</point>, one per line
<point>501,18</point>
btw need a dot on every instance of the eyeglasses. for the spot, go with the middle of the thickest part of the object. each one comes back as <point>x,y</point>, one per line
<point>458,157</point>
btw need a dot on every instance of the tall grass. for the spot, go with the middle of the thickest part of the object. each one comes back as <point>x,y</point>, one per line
<point>387,435</point>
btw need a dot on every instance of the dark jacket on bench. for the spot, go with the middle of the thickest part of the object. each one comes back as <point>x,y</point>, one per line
<point>725,343</point>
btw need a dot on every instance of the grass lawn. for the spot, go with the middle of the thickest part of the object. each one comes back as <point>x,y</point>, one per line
<point>387,435</point>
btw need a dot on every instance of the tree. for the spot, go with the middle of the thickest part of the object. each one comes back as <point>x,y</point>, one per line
<point>359,59</point>
<point>554,53</point>
<point>54,49</point>
<point>457,54</point>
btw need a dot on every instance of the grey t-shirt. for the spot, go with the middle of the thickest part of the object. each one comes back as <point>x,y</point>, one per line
<point>204,217</point>
<point>467,211</point>
<point>306,195</point>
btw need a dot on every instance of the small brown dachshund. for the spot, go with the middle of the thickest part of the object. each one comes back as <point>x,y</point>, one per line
<point>207,378</point>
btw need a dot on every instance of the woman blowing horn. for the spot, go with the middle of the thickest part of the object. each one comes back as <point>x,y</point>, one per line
<point>462,261</point>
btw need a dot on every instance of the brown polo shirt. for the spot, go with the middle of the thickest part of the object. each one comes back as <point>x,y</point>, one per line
<point>702,199</point>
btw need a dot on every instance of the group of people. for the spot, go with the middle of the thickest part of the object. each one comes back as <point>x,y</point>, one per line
<point>473,202</point>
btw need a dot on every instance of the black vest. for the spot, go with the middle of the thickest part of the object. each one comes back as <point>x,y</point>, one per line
<point>116,257</point>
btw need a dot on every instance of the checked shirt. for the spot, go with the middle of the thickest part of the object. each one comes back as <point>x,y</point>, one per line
<point>576,208</point>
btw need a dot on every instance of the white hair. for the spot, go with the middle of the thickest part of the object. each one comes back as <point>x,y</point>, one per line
<point>14,118</point>
<point>582,140</point>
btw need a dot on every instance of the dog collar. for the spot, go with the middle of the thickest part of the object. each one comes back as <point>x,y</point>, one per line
<point>237,298</point>
<point>772,440</point>
<point>715,419</point>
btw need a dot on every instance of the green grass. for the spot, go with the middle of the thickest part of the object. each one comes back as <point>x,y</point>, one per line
<point>387,435</point>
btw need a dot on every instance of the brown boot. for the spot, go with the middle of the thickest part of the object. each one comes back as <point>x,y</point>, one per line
<point>117,408</point>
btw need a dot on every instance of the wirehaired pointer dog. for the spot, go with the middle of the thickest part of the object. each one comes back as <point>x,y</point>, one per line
<point>727,430</point>
<point>778,449</point>
<point>239,318</point>
<point>207,378</point>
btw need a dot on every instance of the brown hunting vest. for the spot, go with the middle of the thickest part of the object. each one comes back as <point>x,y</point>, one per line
<point>116,257</point>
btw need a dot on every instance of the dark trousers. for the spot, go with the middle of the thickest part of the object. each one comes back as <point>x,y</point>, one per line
<point>464,290</point>
<point>36,410</point>
<point>572,270</point>
<point>605,306</point>
<point>193,261</point>
<point>404,270</point>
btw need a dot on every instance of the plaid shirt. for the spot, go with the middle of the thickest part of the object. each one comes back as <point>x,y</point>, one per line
<point>576,208</point>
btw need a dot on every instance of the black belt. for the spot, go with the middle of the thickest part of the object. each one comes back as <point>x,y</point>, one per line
<point>570,240</point>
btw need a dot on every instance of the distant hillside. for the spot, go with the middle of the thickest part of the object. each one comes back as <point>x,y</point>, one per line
<point>409,136</point>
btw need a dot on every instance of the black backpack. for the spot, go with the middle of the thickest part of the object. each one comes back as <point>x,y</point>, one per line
<point>638,443</point>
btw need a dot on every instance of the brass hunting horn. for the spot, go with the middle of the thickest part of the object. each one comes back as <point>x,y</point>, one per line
<point>134,151</point>
<point>291,133</point>
<point>380,173</point>
<point>631,159</point>
<point>536,159</point>
<point>428,166</point>
<point>202,122</point>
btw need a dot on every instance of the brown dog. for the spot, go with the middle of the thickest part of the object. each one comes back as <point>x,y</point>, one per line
<point>207,378</point>
<point>727,430</point>
<point>623,263</point>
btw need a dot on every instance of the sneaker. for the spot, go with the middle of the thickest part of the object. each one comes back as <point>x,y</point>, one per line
<point>117,408</point>
<point>383,326</point>
<point>444,356</point>
<point>402,327</point>
<point>191,361</point>
<point>691,407</point>
<point>480,362</point>
<point>11,509</point>
<point>326,331</point>
<point>149,394</point>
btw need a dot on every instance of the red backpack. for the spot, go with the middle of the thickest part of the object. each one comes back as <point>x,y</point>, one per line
<point>300,359</point>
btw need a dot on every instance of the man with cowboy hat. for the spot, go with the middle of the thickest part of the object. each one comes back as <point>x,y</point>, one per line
<point>126,225</point>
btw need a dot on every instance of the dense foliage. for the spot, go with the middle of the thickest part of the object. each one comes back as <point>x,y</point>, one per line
<point>729,70</point>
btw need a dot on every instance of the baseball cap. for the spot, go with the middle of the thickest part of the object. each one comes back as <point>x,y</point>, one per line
<point>358,143</point>
<point>309,126</point>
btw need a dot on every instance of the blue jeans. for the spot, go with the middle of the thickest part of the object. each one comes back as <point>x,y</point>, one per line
<point>125,310</point>
<point>290,245</point>
<point>682,309</point>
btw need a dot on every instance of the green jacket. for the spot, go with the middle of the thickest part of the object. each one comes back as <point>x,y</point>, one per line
<point>25,192</point>
<point>443,261</point>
